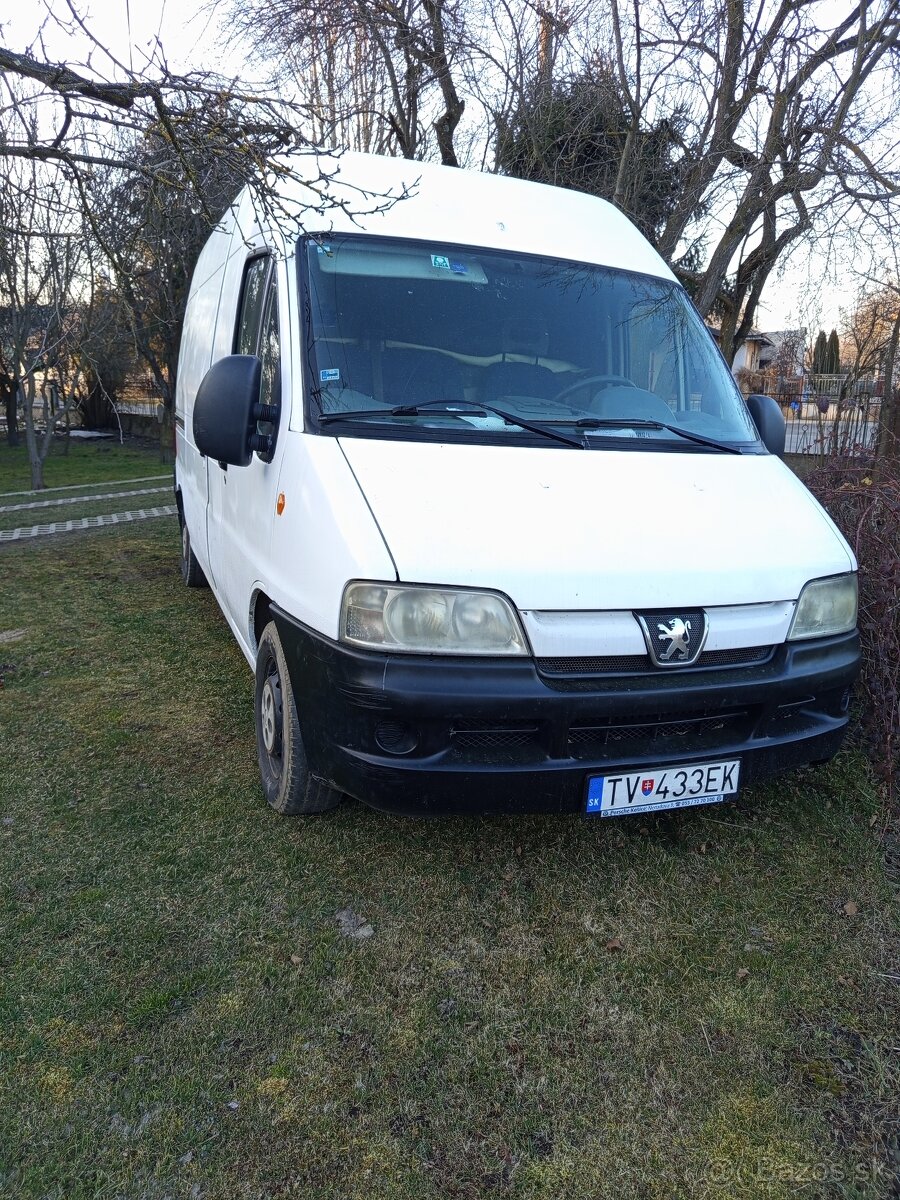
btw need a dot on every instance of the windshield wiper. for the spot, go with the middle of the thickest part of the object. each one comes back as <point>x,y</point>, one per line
<point>644,423</point>
<point>456,409</point>
<point>403,410</point>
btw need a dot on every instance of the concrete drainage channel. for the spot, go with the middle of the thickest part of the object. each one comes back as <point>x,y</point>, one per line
<point>28,503</point>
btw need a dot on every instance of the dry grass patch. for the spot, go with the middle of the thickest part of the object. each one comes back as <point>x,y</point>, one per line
<point>545,1007</point>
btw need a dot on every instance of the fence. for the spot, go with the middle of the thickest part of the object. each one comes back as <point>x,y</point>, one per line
<point>825,414</point>
<point>140,397</point>
<point>847,427</point>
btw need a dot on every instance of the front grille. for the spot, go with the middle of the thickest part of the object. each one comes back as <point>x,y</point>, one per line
<point>622,664</point>
<point>470,736</point>
<point>612,664</point>
<point>691,730</point>
<point>734,658</point>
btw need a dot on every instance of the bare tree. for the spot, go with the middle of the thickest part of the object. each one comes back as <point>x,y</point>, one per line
<point>44,278</point>
<point>784,119</point>
<point>866,331</point>
<point>373,74</point>
<point>110,356</point>
<point>789,119</point>
<point>775,122</point>
<point>149,228</point>
<point>149,161</point>
<point>81,117</point>
<point>870,341</point>
<point>870,337</point>
<point>576,132</point>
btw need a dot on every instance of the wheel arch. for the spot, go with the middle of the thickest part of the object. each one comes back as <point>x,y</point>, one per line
<point>260,615</point>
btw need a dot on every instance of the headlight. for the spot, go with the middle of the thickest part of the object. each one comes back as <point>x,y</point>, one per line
<point>826,606</point>
<point>428,620</point>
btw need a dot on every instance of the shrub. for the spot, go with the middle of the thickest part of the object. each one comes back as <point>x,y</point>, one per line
<point>865,504</point>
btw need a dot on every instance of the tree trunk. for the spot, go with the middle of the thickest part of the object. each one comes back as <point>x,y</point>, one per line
<point>12,414</point>
<point>545,48</point>
<point>35,462</point>
<point>727,341</point>
<point>36,451</point>
<point>166,436</point>
<point>445,124</point>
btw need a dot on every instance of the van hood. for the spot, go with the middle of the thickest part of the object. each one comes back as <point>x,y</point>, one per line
<point>598,529</point>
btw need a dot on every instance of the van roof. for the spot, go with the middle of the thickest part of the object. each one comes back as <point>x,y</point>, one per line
<point>396,197</point>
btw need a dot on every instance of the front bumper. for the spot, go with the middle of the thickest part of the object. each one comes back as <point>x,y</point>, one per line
<point>426,735</point>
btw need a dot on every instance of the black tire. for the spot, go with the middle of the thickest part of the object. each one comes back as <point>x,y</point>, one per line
<point>191,571</point>
<point>287,783</point>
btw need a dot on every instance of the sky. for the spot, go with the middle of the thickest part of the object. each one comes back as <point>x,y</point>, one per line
<point>803,295</point>
<point>130,28</point>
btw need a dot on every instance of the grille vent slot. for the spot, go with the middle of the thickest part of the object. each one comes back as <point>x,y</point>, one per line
<point>619,664</point>
<point>469,735</point>
<point>689,729</point>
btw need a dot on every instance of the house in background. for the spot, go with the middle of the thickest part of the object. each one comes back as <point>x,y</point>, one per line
<point>749,356</point>
<point>770,362</point>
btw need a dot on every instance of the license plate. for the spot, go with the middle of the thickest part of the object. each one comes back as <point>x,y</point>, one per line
<point>667,787</point>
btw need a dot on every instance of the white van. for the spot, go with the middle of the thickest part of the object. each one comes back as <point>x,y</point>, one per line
<point>483,506</point>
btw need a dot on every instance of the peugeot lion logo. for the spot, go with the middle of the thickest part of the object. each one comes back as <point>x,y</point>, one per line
<point>674,639</point>
<point>679,634</point>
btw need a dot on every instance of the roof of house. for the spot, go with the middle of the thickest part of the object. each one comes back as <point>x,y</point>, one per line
<point>753,336</point>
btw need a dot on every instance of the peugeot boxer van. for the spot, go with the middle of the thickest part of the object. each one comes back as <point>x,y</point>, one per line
<point>487,514</point>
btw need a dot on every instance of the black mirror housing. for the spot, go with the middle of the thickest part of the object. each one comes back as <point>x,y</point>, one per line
<point>769,421</point>
<point>224,419</point>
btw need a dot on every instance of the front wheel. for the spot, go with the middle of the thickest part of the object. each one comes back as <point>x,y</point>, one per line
<point>191,571</point>
<point>288,785</point>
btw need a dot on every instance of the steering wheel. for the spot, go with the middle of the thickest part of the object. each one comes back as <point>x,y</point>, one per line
<point>602,380</point>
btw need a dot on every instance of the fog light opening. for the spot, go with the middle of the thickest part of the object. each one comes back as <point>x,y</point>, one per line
<point>396,737</point>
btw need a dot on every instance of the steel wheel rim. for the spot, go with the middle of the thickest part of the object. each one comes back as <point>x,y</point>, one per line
<point>271,715</point>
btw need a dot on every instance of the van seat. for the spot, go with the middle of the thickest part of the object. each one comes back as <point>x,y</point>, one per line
<point>417,376</point>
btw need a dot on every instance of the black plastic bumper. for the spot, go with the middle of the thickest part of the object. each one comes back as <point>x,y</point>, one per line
<point>420,734</point>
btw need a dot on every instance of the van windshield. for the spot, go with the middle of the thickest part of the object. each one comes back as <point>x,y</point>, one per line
<point>422,340</point>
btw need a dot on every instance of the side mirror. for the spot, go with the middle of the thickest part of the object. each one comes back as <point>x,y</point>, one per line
<point>769,421</point>
<point>225,409</point>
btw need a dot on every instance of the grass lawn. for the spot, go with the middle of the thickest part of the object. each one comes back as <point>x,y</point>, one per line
<point>692,1006</point>
<point>87,462</point>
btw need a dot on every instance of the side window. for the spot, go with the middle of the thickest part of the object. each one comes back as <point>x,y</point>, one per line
<point>256,274</point>
<point>270,350</point>
<point>257,333</point>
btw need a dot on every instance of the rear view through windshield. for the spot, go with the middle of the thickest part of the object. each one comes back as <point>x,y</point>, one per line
<point>435,340</point>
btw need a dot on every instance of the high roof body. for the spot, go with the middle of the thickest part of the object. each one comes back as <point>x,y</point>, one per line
<point>394,197</point>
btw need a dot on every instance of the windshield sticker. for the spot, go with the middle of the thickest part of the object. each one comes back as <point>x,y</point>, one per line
<point>459,268</point>
<point>441,262</point>
<point>331,375</point>
<point>324,250</point>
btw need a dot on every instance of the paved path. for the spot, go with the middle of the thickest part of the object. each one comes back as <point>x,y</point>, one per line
<point>33,531</point>
<point>7,508</point>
